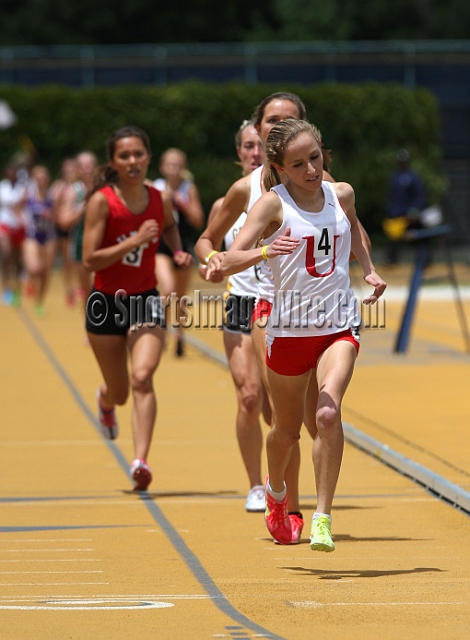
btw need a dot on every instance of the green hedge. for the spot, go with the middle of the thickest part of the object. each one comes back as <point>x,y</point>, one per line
<point>363,125</point>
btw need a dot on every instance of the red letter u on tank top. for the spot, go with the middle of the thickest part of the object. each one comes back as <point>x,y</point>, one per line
<point>310,262</point>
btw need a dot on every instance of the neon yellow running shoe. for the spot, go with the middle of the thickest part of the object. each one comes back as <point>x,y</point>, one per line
<point>320,535</point>
<point>39,311</point>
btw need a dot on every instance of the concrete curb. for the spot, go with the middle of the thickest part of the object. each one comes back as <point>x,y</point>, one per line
<point>395,293</point>
<point>437,484</point>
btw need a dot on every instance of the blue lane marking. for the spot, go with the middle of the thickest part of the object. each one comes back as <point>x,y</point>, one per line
<point>191,560</point>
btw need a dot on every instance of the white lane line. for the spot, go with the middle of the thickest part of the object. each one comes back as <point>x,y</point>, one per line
<point>368,558</point>
<point>100,603</point>
<point>45,584</point>
<point>90,607</point>
<point>43,550</point>
<point>110,597</point>
<point>11,573</point>
<point>313,604</point>
<point>32,560</point>
<point>8,541</point>
<point>67,503</point>
<point>53,443</point>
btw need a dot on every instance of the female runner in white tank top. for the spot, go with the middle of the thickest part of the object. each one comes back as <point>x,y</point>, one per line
<point>241,197</point>
<point>309,228</point>
<point>243,290</point>
<point>238,199</point>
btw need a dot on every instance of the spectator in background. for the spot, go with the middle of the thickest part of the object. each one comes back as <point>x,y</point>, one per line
<point>188,214</point>
<point>407,199</point>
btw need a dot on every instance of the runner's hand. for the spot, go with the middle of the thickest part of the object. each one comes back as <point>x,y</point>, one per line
<point>282,245</point>
<point>379,287</point>
<point>213,272</point>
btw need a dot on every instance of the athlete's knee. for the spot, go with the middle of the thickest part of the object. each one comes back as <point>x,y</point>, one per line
<point>285,437</point>
<point>328,416</point>
<point>141,381</point>
<point>37,271</point>
<point>250,399</point>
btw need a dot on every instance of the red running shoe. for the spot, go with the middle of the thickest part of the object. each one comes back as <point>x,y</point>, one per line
<point>277,518</point>
<point>108,422</point>
<point>70,298</point>
<point>297,524</point>
<point>141,474</point>
<point>29,289</point>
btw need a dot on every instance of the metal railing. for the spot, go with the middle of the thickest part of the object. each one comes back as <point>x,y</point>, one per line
<point>247,58</point>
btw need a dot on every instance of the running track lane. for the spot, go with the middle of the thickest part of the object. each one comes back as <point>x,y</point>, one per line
<point>190,559</point>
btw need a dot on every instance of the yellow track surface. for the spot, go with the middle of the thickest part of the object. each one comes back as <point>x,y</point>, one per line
<point>82,556</point>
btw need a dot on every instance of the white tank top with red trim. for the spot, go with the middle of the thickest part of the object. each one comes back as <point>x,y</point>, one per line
<point>313,296</point>
<point>246,282</point>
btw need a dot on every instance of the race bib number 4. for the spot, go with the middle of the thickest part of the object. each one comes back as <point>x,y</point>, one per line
<point>321,250</point>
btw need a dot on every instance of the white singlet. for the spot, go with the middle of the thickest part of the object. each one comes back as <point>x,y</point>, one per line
<point>246,282</point>
<point>266,289</point>
<point>10,196</point>
<point>313,296</point>
<point>182,190</point>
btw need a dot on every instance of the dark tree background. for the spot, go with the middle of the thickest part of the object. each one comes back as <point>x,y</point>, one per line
<point>49,22</point>
<point>46,22</point>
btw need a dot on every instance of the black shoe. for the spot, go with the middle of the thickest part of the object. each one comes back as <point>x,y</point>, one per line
<point>179,351</point>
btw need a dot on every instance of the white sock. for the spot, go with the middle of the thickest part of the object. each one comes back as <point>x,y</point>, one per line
<point>279,496</point>
<point>317,515</point>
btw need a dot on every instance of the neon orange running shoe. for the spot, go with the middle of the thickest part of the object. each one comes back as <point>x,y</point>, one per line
<point>141,474</point>
<point>277,518</point>
<point>297,524</point>
<point>108,422</point>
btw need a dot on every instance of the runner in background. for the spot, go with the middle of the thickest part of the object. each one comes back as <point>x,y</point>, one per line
<point>125,219</point>
<point>40,243</point>
<point>71,217</point>
<point>12,233</point>
<point>68,175</point>
<point>189,215</point>
<point>252,398</point>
